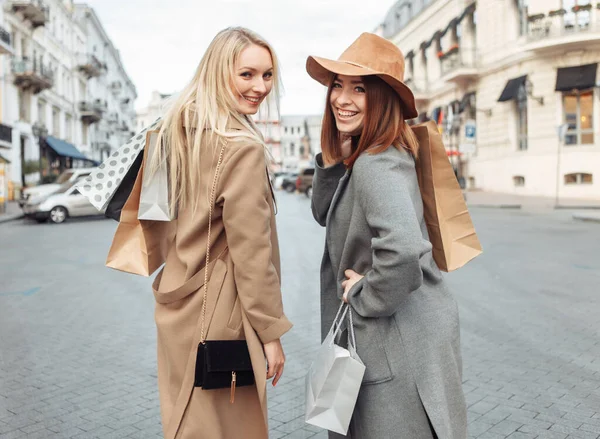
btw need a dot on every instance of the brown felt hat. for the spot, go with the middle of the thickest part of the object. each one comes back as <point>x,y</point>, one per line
<point>368,55</point>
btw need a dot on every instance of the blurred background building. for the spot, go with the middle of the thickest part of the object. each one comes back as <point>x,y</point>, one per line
<point>155,108</point>
<point>66,100</point>
<point>300,141</point>
<point>513,87</point>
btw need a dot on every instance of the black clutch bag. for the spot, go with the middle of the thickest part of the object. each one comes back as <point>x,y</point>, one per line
<point>222,364</point>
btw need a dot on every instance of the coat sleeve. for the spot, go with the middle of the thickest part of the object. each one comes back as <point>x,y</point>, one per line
<point>385,183</point>
<point>325,182</point>
<point>246,197</point>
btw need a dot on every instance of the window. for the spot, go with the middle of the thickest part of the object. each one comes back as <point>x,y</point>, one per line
<point>24,105</point>
<point>522,128</point>
<point>579,178</point>
<point>292,149</point>
<point>41,107</point>
<point>68,128</point>
<point>578,114</point>
<point>575,20</point>
<point>56,121</point>
<point>519,180</point>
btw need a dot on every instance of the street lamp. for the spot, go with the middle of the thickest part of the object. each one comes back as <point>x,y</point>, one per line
<point>529,91</point>
<point>40,131</point>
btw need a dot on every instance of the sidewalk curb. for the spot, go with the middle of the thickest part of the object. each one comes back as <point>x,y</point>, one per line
<point>11,218</point>
<point>589,219</point>
<point>496,206</point>
<point>565,207</point>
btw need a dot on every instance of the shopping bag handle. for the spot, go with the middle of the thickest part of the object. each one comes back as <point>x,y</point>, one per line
<point>337,324</point>
<point>337,321</point>
<point>351,336</point>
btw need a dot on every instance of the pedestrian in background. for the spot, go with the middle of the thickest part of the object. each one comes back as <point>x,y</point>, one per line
<point>220,188</point>
<point>378,257</point>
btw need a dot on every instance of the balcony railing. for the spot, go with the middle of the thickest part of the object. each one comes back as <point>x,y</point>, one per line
<point>561,23</point>
<point>116,87</point>
<point>35,11</point>
<point>92,112</point>
<point>457,59</point>
<point>89,65</point>
<point>419,89</point>
<point>5,133</point>
<point>32,75</point>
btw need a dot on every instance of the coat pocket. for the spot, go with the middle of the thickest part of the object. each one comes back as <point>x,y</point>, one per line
<point>370,349</point>
<point>235,320</point>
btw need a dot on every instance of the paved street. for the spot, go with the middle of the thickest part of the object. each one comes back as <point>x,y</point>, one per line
<point>77,340</point>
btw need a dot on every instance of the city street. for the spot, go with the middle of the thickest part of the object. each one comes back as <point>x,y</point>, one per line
<point>77,340</point>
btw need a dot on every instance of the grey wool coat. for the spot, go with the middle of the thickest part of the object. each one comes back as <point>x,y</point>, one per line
<point>405,318</point>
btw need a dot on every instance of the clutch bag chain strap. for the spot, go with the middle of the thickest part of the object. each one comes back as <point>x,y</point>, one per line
<point>210,211</point>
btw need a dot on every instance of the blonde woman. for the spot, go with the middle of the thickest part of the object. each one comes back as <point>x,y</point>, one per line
<point>226,222</point>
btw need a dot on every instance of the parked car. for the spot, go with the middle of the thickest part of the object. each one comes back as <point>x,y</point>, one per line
<point>304,181</point>
<point>288,182</point>
<point>66,202</point>
<point>68,176</point>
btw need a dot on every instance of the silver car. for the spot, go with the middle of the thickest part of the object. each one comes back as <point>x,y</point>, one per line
<point>60,205</point>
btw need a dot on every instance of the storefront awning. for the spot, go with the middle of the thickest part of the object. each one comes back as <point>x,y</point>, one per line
<point>468,11</point>
<point>65,149</point>
<point>511,89</point>
<point>576,78</point>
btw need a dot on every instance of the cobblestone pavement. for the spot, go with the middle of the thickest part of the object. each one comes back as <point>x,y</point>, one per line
<point>77,341</point>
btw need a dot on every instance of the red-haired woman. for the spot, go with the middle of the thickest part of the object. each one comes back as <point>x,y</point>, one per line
<point>378,257</point>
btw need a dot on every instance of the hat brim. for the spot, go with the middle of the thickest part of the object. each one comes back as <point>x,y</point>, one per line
<point>320,69</point>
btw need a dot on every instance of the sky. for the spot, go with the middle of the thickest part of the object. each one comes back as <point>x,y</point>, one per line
<point>161,42</point>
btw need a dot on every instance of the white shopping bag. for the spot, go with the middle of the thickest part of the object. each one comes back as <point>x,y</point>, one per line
<point>100,186</point>
<point>154,198</point>
<point>334,379</point>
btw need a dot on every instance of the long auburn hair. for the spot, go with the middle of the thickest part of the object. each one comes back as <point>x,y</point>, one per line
<point>202,110</point>
<point>384,124</point>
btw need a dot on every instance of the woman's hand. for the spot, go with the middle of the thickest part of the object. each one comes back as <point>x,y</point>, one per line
<point>346,148</point>
<point>275,360</point>
<point>351,278</point>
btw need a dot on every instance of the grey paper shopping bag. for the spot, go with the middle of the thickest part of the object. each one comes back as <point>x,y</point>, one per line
<point>334,379</point>
<point>154,199</point>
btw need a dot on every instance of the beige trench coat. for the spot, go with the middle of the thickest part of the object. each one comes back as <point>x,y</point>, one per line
<point>244,296</point>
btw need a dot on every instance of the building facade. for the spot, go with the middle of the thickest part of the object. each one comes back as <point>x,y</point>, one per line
<point>107,109</point>
<point>54,87</point>
<point>513,87</point>
<point>271,132</point>
<point>155,108</point>
<point>300,141</point>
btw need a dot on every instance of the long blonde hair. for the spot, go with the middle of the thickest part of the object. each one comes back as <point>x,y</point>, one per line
<point>203,109</point>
